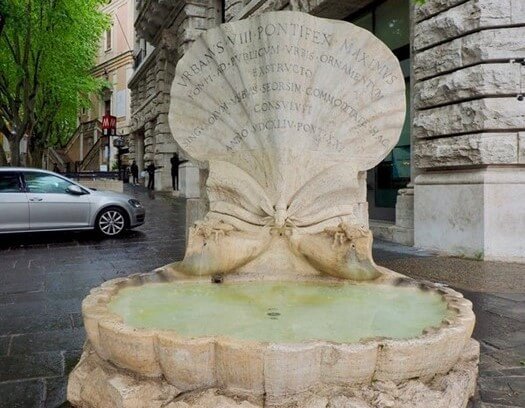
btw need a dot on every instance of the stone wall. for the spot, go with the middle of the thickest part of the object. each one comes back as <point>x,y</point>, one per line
<point>469,115</point>
<point>170,27</point>
<point>336,9</point>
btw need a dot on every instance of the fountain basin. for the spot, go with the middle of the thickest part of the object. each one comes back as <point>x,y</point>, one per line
<point>282,362</point>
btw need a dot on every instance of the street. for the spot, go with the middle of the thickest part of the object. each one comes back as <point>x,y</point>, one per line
<point>44,277</point>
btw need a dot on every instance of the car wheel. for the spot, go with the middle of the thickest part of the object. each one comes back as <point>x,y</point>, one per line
<point>111,222</point>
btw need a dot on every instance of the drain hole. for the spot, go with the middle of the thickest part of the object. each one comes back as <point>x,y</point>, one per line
<point>273,314</point>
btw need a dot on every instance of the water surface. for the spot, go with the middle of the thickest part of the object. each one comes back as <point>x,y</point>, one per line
<point>281,311</point>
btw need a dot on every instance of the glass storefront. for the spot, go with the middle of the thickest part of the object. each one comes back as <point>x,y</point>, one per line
<point>389,21</point>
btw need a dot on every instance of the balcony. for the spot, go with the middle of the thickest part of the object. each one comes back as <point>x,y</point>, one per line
<point>152,15</point>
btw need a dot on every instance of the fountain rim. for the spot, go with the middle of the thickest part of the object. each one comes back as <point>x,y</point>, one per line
<point>156,353</point>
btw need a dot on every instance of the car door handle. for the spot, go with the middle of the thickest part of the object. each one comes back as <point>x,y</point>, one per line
<point>35,199</point>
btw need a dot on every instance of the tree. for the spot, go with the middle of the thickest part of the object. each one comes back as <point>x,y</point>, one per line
<point>47,49</point>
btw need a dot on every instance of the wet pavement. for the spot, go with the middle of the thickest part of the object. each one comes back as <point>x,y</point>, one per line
<point>497,291</point>
<point>44,277</point>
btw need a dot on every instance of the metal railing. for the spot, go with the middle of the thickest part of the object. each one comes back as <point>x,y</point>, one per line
<point>93,175</point>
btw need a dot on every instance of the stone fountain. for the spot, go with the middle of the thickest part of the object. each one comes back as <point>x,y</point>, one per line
<point>278,302</point>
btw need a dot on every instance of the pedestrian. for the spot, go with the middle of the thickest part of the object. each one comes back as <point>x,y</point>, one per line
<point>135,172</point>
<point>56,169</point>
<point>151,176</point>
<point>175,162</point>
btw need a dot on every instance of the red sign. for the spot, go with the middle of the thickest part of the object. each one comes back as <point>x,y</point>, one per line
<point>109,125</point>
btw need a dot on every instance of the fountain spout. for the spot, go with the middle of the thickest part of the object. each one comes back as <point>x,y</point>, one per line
<point>217,278</point>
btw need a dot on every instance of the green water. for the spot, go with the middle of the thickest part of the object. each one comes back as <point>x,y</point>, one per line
<point>281,312</point>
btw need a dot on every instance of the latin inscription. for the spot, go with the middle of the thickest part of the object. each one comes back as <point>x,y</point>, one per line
<point>243,65</point>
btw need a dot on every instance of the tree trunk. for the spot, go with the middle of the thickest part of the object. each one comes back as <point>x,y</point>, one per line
<point>14,145</point>
<point>34,156</point>
<point>3,157</point>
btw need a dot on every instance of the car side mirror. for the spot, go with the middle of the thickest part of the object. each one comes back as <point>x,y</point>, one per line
<point>75,190</point>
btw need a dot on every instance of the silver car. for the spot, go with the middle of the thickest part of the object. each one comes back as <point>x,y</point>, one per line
<point>34,200</point>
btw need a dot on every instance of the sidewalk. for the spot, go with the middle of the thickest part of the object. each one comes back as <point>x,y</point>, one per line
<point>497,291</point>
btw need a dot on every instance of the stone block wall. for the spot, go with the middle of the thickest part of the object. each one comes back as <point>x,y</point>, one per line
<point>170,27</point>
<point>469,114</point>
<point>468,78</point>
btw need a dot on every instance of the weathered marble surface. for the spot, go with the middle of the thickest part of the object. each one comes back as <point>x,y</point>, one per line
<point>481,80</point>
<point>468,17</point>
<point>288,110</point>
<point>479,115</point>
<point>482,216</point>
<point>482,46</point>
<point>111,387</point>
<point>468,150</point>
<point>430,8</point>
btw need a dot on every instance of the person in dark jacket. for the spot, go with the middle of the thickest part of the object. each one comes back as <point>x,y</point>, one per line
<point>151,175</point>
<point>135,172</point>
<point>175,162</point>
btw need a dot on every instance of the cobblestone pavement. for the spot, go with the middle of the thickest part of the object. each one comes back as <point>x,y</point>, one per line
<point>497,291</point>
<point>44,277</point>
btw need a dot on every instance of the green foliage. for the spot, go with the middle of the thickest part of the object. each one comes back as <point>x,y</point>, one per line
<point>47,49</point>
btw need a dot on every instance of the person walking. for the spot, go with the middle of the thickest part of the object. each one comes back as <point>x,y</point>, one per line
<point>135,173</point>
<point>151,176</point>
<point>175,162</point>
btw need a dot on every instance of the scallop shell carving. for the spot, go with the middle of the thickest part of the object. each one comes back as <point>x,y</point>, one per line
<point>287,109</point>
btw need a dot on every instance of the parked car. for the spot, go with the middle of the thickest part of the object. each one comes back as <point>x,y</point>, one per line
<point>34,200</point>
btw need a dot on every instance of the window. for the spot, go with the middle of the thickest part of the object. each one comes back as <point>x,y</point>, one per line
<point>389,21</point>
<point>9,182</point>
<point>392,23</point>
<point>108,39</point>
<point>45,183</point>
<point>366,21</point>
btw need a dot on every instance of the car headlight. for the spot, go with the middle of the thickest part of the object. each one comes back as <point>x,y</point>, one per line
<point>135,203</point>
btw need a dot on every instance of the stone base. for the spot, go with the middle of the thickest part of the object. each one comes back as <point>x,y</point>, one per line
<point>189,180</point>
<point>477,213</point>
<point>388,231</point>
<point>95,383</point>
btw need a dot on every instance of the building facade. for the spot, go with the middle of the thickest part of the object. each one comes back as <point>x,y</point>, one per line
<point>115,65</point>
<point>87,149</point>
<point>455,182</point>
